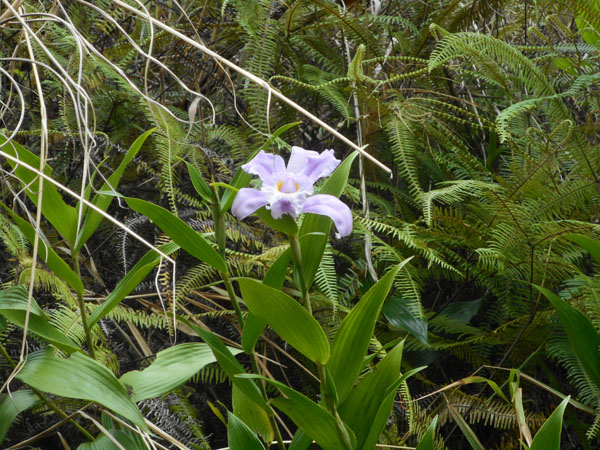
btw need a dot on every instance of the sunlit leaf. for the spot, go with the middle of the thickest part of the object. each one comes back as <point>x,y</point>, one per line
<point>314,232</point>
<point>548,436</point>
<point>103,201</point>
<point>287,318</point>
<point>130,281</point>
<point>312,418</point>
<point>47,254</point>
<point>62,216</point>
<point>582,336</point>
<point>427,442</point>
<point>13,306</point>
<point>171,368</point>
<point>241,437</point>
<point>11,405</point>
<point>82,378</point>
<point>352,339</point>
<point>181,233</point>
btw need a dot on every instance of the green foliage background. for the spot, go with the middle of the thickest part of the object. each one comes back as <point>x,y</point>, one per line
<point>486,112</point>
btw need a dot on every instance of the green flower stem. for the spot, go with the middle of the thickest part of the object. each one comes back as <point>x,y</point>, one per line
<point>233,298</point>
<point>339,425</point>
<point>219,224</point>
<point>46,400</point>
<point>83,311</point>
<point>297,255</point>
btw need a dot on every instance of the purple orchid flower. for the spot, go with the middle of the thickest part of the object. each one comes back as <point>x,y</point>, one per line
<point>289,190</point>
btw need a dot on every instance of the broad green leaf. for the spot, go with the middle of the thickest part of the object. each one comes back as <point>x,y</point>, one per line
<point>102,201</point>
<point>314,232</point>
<point>352,339</point>
<point>13,306</point>
<point>301,440</point>
<point>79,377</point>
<point>128,440</point>
<point>47,254</point>
<point>15,298</point>
<point>130,281</point>
<point>548,436</point>
<point>11,405</point>
<point>253,328</point>
<point>462,312</point>
<point>275,278</point>
<point>385,409</point>
<point>242,179</point>
<point>199,184</point>
<point>171,368</point>
<point>251,414</point>
<point>361,405</point>
<point>231,367</point>
<point>590,245</point>
<point>62,216</point>
<point>240,437</point>
<point>287,318</point>
<point>286,224</point>
<point>465,428</point>
<point>181,233</point>
<point>402,318</point>
<point>583,337</point>
<point>427,442</point>
<point>312,418</point>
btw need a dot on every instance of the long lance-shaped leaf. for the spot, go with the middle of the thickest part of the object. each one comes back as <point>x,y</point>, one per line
<point>102,201</point>
<point>548,436</point>
<point>181,233</point>
<point>79,377</point>
<point>62,216</point>
<point>13,306</point>
<point>352,339</point>
<point>240,436</point>
<point>427,441</point>
<point>385,410</point>
<point>47,254</point>
<point>592,246</point>
<point>314,231</point>
<point>275,278</point>
<point>465,428</point>
<point>313,419</point>
<point>12,405</point>
<point>287,318</point>
<point>583,337</point>
<point>130,281</point>
<point>253,415</point>
<point>231,367</point>
<point>360,408</point>
<point>171,368</point>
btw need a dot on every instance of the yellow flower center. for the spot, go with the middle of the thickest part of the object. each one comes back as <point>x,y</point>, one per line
<point>280,184</point>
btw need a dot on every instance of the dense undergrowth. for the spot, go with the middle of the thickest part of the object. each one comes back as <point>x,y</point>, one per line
<point>473,256</point>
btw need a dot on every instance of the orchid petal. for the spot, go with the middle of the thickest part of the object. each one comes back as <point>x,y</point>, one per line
<point>247,201</point>
<point>312,164</point>
<point>332,207</point>
<point>265,165</point>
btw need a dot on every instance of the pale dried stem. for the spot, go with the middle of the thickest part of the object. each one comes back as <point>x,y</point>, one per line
<point>259,81</point>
